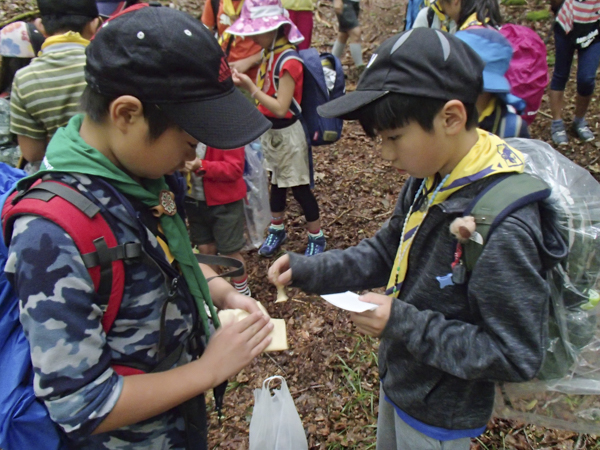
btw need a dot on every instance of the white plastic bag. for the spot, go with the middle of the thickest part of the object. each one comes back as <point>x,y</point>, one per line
<point>275,423</point>
<point>256,205</point>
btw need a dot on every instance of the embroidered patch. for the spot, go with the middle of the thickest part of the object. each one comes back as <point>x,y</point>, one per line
<point>167,202</point>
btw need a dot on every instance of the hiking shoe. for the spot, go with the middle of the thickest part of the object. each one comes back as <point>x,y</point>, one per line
<point>583,132</point>
<point>559,134</point>
<point>315,246</point>
<point>274,240</point>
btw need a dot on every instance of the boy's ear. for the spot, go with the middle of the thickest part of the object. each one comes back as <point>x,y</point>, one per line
<point>91,27</point>
<point>39,24</point>
<point>454,116</point>
<point>125,111</point>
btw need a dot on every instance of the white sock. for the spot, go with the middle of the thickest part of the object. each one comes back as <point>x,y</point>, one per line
<point>338,49</point>
<point>356,52</point>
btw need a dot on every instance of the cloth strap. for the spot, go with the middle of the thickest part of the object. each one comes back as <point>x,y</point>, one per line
<point>489,156</point>
<point>69,153</point>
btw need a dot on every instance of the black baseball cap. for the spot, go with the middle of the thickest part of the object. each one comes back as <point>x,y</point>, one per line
<point>168,58</point>
<point>57,8</point>
<point>421,62</point>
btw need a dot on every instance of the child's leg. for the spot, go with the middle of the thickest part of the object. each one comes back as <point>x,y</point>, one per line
<point>316,240</point>
<point>228,229</point>
<point>350,28</point>
<point>340,45</point>
<point>560,76</point>
<point>588,60</point>
<point>394,433</point>
<point>277,235</point>
<point>200,226</point>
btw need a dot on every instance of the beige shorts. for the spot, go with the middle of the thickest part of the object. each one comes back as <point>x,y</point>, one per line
<point>286,156</point>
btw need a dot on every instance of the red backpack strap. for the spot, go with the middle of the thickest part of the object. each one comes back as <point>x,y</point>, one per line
<point>81,219</point>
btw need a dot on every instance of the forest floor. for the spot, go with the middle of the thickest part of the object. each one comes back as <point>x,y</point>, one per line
<point>331,370</point>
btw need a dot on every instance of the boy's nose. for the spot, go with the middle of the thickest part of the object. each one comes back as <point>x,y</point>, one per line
<point>386,152</point>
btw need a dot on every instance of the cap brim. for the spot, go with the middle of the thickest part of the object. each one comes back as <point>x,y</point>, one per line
<point>107,9</point>
<point>495,83</point>
<point>226,122</point>
<point>347,106</point>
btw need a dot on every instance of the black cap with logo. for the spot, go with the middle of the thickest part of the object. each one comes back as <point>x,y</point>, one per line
<point>57,8</point>
<point>166,57</point>
<point>421,62</point>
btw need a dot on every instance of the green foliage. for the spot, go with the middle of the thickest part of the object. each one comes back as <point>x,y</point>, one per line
<point>551,59</point>
<point>514,2</point>
<point>536,16</point>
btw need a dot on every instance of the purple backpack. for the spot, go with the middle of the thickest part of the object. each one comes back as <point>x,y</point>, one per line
<point>528,71</point>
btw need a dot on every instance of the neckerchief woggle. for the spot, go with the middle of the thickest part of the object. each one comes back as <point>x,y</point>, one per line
<point>68,152</point>
<point>489,156</point>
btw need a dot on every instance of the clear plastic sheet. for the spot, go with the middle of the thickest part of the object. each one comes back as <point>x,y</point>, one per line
<point>256,205</point>
<point>566,394</point>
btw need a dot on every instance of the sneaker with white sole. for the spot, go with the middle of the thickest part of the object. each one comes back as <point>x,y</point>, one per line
<point>583,132</point>
<point>559,134</point>
<point>274,240</point>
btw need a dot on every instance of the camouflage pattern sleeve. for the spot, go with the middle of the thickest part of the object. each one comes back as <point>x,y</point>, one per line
<point>70,356</point>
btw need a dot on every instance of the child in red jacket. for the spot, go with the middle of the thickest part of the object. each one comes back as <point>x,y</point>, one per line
<point>215,207</point>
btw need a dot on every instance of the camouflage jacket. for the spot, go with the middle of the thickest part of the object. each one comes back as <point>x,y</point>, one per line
<point>70,352</point>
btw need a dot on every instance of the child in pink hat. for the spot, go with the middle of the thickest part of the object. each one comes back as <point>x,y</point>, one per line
<point>285,147</point>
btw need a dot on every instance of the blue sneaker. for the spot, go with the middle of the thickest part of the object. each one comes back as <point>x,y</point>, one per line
<point>274,240</point>
<point>315,246</point>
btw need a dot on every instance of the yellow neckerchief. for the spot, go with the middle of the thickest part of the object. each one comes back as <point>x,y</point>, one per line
<point>489,156</point>
<point>281,45</point>
<point>438,12</point>
<point>165,247</point>
<point>68,38</point>
<point>233,14</point>
<point>471,22</point>
<point>489,109</point>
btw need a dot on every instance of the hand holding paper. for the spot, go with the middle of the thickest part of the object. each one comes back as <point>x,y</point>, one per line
<point>373,322</point>
<point>349,301</point>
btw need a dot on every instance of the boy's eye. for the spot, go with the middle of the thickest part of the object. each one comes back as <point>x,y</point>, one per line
<point>394,138</point>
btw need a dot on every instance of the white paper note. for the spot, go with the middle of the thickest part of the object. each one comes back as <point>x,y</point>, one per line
<point>349,301</point>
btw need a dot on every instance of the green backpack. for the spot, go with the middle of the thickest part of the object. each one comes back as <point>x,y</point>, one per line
<point>572,197</point>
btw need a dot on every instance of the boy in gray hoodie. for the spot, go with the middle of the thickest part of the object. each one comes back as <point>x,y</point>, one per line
<point>446,337</point>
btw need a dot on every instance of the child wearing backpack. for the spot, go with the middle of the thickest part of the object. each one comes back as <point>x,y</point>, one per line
<point>575,29</point>
<point>496,106</point>
<point>214,205</point>
<point>244,55</point>
<point>455,15</point>
<point>147,104</point>
<point>20,42</point>
<point>285,145</point>
<point>447,336</point>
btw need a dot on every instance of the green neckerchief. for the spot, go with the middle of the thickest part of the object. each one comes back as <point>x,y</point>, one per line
<point>68,152</point>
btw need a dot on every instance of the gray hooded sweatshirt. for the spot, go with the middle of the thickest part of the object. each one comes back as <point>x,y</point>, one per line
<point>443,348</point>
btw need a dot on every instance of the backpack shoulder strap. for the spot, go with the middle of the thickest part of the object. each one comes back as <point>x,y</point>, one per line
<point>215,8</point>
<point>286,55</point>
<point>497,201</point>
<point>430,16</point>
<point>93,236</point>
